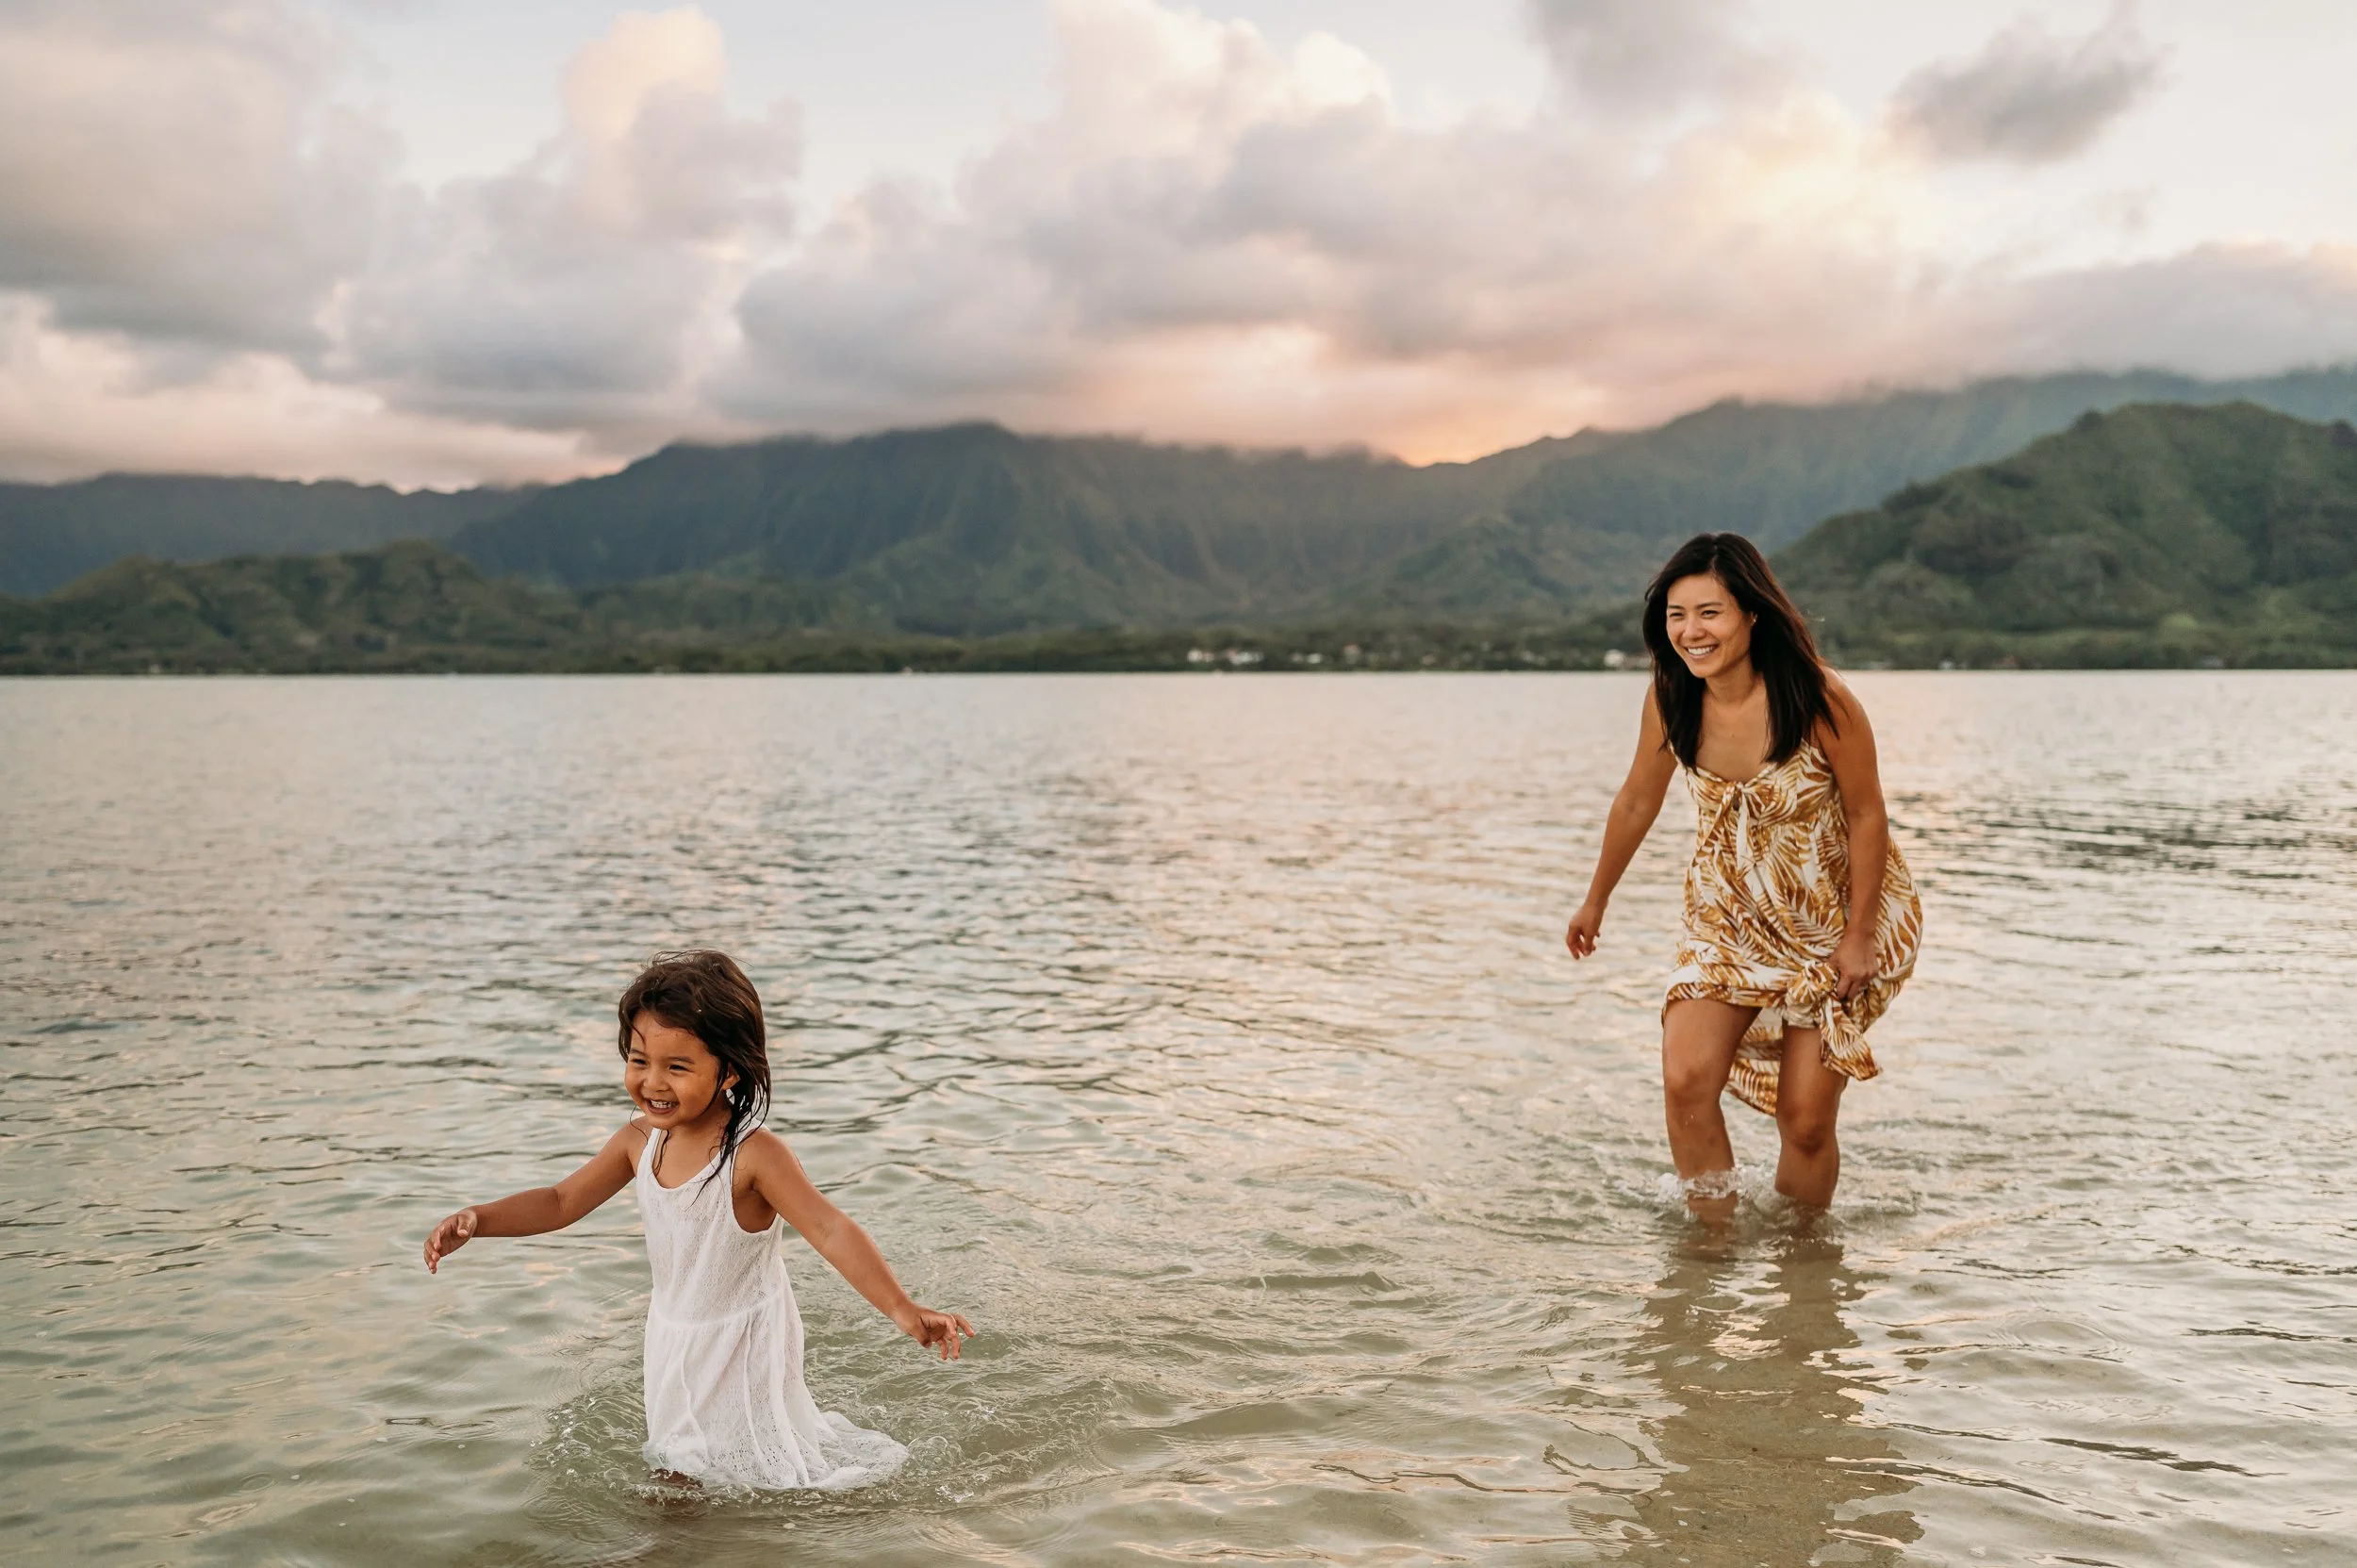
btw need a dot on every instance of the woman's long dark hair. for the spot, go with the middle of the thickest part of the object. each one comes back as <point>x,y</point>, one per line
<point>706,994</point>
<point>1782,650</point>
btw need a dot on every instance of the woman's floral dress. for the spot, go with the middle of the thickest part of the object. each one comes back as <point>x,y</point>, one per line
<point>1767,899</point>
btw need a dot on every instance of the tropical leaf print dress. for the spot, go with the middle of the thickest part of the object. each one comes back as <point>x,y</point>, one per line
<point>1767,899</point>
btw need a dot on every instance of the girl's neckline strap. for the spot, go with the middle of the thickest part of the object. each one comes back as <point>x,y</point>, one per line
<point>655,1137</point>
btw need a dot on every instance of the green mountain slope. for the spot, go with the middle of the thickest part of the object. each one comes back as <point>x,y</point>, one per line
<point>53,533</point>
<point>394,608</point>
<point>1593,525</point>
<point>1504,570</point>
<point>415,607</point>
<point>975,529</point>
<point>2153,534</point>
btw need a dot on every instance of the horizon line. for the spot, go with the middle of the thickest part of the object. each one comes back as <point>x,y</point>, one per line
<point>1859,395</point>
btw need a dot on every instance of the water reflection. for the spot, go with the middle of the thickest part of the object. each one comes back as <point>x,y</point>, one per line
<point>1764,1461</point>
<point>1212,1039</point>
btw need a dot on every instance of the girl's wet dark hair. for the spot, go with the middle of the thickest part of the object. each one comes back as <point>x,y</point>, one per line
<point>705,993</point>
<point>1783,651</point>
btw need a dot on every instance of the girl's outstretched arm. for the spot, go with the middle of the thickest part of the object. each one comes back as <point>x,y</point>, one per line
<point>1625,825</point>
<point>542,1209</point>
<point>838,1238</point>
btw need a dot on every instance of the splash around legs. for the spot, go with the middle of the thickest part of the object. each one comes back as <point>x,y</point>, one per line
<point>1699,1036</point>
<point>1698,1040</point>
<point>1792,849</point>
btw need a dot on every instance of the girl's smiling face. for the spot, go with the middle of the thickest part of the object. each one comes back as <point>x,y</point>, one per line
<point>671,1075</point>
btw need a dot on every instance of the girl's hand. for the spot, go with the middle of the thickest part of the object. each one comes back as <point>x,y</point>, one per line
<point>1854,966</point>
<point>935,1330</point>
<point>449,1236</point>
<point>1585,922</point>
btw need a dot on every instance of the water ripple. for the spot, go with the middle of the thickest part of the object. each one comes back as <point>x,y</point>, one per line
<point>1208,1040</point>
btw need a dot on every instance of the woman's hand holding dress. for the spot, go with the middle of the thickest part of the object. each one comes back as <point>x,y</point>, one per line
<point>1854,961</point>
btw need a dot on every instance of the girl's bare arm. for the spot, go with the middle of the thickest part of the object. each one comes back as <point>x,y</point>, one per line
<point>540,1209</point>
<point>1625,826</point>
<point>778,1176</point>
<point>1849,744</point>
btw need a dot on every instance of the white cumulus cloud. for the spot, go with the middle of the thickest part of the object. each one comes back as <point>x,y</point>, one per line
<point>1209,236</point>
<point>584,288</point>
<point>1208,233</point>
<point>179,173</point>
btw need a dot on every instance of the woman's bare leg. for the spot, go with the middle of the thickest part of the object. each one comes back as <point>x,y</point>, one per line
<point>1698,1040</point>
<point>1808,1101</point>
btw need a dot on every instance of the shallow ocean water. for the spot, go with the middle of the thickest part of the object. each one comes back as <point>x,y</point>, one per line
<point>1209,1041</point>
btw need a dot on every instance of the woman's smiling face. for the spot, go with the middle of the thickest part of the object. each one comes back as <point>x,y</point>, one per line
<point>1710,631</point>
<point>671,1075</point>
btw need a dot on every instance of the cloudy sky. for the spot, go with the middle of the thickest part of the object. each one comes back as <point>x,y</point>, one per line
<point>432,241</point>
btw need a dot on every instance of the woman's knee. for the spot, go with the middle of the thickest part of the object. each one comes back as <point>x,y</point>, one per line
<point>1806,1125</point>
<point>1692,1079</point>
<point>1699,1037</point>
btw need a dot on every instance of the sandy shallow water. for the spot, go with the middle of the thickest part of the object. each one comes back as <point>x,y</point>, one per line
<point>1209,1041</point>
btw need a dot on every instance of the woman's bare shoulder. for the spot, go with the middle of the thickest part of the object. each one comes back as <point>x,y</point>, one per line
<point>1847,709</point>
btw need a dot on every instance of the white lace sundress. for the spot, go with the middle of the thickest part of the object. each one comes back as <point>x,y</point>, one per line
<point>725,1398</point>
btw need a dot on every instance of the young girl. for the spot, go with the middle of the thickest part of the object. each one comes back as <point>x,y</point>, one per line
<point>1801,919</point>
<point>725,1398</point>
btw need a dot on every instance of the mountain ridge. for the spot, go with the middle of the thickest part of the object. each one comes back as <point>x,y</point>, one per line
<point>974,530</point>
<point>2153,535</point>
<point>2160,534</point>
<point>53,533</point>
<point>978,530</point>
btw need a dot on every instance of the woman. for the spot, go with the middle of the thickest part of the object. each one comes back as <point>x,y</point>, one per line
<point>1801,920</point>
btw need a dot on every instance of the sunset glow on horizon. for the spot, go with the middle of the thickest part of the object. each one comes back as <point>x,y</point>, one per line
<point>430,245</point>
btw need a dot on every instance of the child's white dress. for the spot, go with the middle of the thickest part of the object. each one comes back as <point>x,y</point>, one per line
<point>725,1398</point>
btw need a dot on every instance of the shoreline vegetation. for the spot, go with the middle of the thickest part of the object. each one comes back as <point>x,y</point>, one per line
<point>2157,536</point>
<point>1604,641</point>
